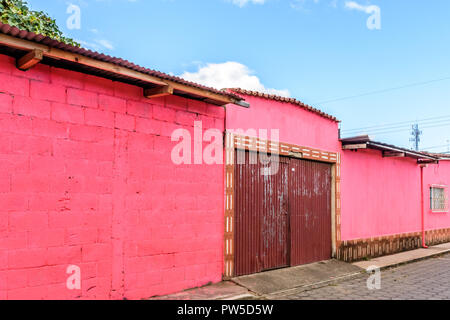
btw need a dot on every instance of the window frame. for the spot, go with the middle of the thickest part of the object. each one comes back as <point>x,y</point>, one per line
<point>446,198</point>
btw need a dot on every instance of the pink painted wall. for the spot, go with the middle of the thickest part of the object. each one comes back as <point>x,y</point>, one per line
<point>86,179</point>
<point>297,126</point>
<point>381,196</point>
<point>436,174</point>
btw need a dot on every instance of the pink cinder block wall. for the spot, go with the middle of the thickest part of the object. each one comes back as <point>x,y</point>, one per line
<point>86,179</point>
<point>296,125</point>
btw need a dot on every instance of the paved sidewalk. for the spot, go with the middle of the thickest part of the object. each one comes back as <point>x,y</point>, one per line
<point>306,276</point>
<point>326,280</point>
<point>427,279</point>
<point>225,290</point>
<point>404,257</point>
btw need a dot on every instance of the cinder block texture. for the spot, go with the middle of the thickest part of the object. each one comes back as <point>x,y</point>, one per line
<point>87,180</point>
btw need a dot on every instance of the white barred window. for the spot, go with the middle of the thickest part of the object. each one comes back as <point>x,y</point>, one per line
<point>439,199</point>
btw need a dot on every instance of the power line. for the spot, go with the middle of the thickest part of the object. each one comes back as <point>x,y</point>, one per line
<point>404,127</point>
<point>384,90</point>
<point>436,147</point>
<point>407,129</point>
<point>396,124</point>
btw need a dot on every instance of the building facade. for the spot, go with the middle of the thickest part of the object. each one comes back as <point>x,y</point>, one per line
<point>143,184</point>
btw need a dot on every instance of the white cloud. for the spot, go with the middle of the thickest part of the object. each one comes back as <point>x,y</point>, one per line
<point>241,3</point>
<point>302,5</point>
<point>97,45</point>
<point>230,75</point>
<point>352,5</point>
<point>105,43</point>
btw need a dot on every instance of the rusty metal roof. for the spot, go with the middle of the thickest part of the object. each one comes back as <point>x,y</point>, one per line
<point>283,99</point>
<point>370,144</point>
<point>441,156</point>
<point>41,39</point>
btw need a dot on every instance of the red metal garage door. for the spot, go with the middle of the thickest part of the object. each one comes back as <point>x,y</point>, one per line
<point>262,220</point>
<point>282,219</point>
<point>310,211</point>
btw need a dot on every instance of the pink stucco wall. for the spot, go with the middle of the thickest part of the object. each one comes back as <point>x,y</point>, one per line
<point>381,196</point>
<point>436,174</point>
<point>296,125</point>
<point>86,179</point>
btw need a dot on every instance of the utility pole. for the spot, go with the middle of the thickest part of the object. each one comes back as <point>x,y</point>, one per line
<point>416,133</point>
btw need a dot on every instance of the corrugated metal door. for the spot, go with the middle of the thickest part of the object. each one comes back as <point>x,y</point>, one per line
<point>262,216</point>
<point>283,218</point>
<point>310,211</point>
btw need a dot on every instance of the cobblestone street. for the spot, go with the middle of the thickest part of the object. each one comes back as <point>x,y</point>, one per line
<point>428,279</point>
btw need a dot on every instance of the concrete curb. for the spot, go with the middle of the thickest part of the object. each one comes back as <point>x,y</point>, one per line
<point>397,264</point>
<point>313,286</point>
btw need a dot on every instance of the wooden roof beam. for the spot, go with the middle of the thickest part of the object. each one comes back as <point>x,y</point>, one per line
<point>426,161</point>
<point>29,60</point>
<point>205,94</point>
<point>355,146</point>
<point>389,154</point>
<point>158,92</point>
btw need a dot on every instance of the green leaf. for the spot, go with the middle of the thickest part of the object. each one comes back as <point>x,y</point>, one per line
<point>17,13</point>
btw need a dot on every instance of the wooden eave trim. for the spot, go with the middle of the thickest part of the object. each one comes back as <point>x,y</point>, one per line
<point>59,54</point>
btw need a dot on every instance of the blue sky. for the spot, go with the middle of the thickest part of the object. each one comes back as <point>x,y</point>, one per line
<point>317,51</point>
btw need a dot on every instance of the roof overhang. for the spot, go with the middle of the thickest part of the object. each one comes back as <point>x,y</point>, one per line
<point>389,151</point>
<point>277,98</point>
<point>30,53</point>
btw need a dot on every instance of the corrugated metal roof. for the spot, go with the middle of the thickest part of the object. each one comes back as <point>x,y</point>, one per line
<point>40,39</point>
<point>283,99</point>
<point>442,156</point>
<point>387,147</point>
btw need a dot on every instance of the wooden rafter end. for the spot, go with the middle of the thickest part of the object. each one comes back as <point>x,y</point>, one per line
<point>30,60</point>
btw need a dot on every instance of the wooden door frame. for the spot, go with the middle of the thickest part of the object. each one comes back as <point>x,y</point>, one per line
<point>234,142</point>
